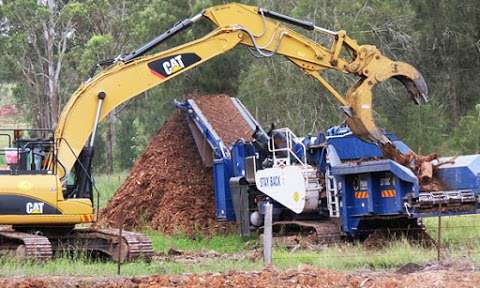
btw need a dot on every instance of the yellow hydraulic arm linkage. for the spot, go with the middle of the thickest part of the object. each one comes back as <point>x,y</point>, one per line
<point>129,75</point>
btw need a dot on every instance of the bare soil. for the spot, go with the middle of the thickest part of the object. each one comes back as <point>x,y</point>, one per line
<point>169,188</point>
<point>304,276</point>
<point>8,110</point>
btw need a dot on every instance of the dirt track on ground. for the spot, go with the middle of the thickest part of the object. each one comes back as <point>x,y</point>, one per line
<point>301,277</point>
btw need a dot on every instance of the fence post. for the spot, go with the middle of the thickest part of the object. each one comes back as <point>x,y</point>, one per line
<point>120,230</point>
<point>267,235</point>
<point>439,233</point>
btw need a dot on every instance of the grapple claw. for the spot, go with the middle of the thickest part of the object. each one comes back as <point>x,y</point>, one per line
<point>417,88</point>
<point>359,97</point>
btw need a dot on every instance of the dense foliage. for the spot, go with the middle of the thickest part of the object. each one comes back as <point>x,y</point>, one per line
<point>55,42</point>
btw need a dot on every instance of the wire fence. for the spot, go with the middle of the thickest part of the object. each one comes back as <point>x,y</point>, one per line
<point>452,237</point>
<point>465,244</point>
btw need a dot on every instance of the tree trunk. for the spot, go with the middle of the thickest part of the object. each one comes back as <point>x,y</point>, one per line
<point>52,87</point>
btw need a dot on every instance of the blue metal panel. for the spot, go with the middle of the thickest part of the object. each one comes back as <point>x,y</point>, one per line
<point>388,193</point>
<point>346,203</point>
<point>372,188</point>
<point>358,195</point>
<point>398,170</point>
<point>402,147</point>
<point>349,206</point>
<point>222,172</point>
<point>241,150</point>
<point>463,173</point>
<point>350,147</point>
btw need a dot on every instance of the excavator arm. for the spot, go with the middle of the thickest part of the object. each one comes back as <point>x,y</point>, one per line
<point>134,73</point>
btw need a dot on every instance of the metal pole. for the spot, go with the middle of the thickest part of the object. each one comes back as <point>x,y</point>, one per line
<point>267,235</point>
<point>439,233</point>
<point>101,98</point>
<point>119,260</point>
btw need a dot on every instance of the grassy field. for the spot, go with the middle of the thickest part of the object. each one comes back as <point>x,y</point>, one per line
<point>231,243</point>
<point>84,267</point>
<point>107,184</point>
<point>460,240</point>
<point>348,257</point>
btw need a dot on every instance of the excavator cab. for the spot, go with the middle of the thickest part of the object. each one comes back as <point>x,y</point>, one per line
<point>31,190</point>
<point>32,152</point>
<point>28,151</point>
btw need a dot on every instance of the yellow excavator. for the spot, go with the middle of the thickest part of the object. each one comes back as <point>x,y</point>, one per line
<point>46,184</point>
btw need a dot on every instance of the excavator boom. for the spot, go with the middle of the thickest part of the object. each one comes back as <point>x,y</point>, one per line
<point>130,75</point>
<point>367,63</point>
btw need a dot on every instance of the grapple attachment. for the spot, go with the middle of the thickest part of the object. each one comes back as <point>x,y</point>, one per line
<point>360,113</point>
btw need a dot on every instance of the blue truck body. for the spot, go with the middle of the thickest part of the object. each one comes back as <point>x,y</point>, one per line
<point>372,190</point>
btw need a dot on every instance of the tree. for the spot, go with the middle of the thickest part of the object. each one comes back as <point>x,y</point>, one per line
<point>449,51</point>
<point>466,136</point>
<point>37,35</point>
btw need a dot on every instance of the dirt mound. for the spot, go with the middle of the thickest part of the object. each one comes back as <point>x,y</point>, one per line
<point>169,188</point>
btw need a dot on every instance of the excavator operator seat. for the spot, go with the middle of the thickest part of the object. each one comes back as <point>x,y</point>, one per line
<point>27,152</point>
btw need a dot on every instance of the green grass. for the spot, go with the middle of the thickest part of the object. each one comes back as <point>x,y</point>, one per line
<point>107,185</point>
<point>82,267</point>
<point>231,243</point>
<point>354,257</point>
<point>457,231</point>
<point>345,257</point>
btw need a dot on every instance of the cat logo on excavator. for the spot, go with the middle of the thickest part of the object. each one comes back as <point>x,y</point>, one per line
<point>173,65</point>
<point>34,207</point>
<point>168,66</point>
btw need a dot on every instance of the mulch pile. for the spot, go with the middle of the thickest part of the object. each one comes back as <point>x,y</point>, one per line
<point>224,118</point>
<point>304,276</point>
<point>169,188</point>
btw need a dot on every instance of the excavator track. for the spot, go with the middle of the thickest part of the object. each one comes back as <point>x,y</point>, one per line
<point>292,233</point>
<point>139,245</point>
<point>314,233</point>
<point>25,246</point>
<point>416,234</point>
<point>105,242</point>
